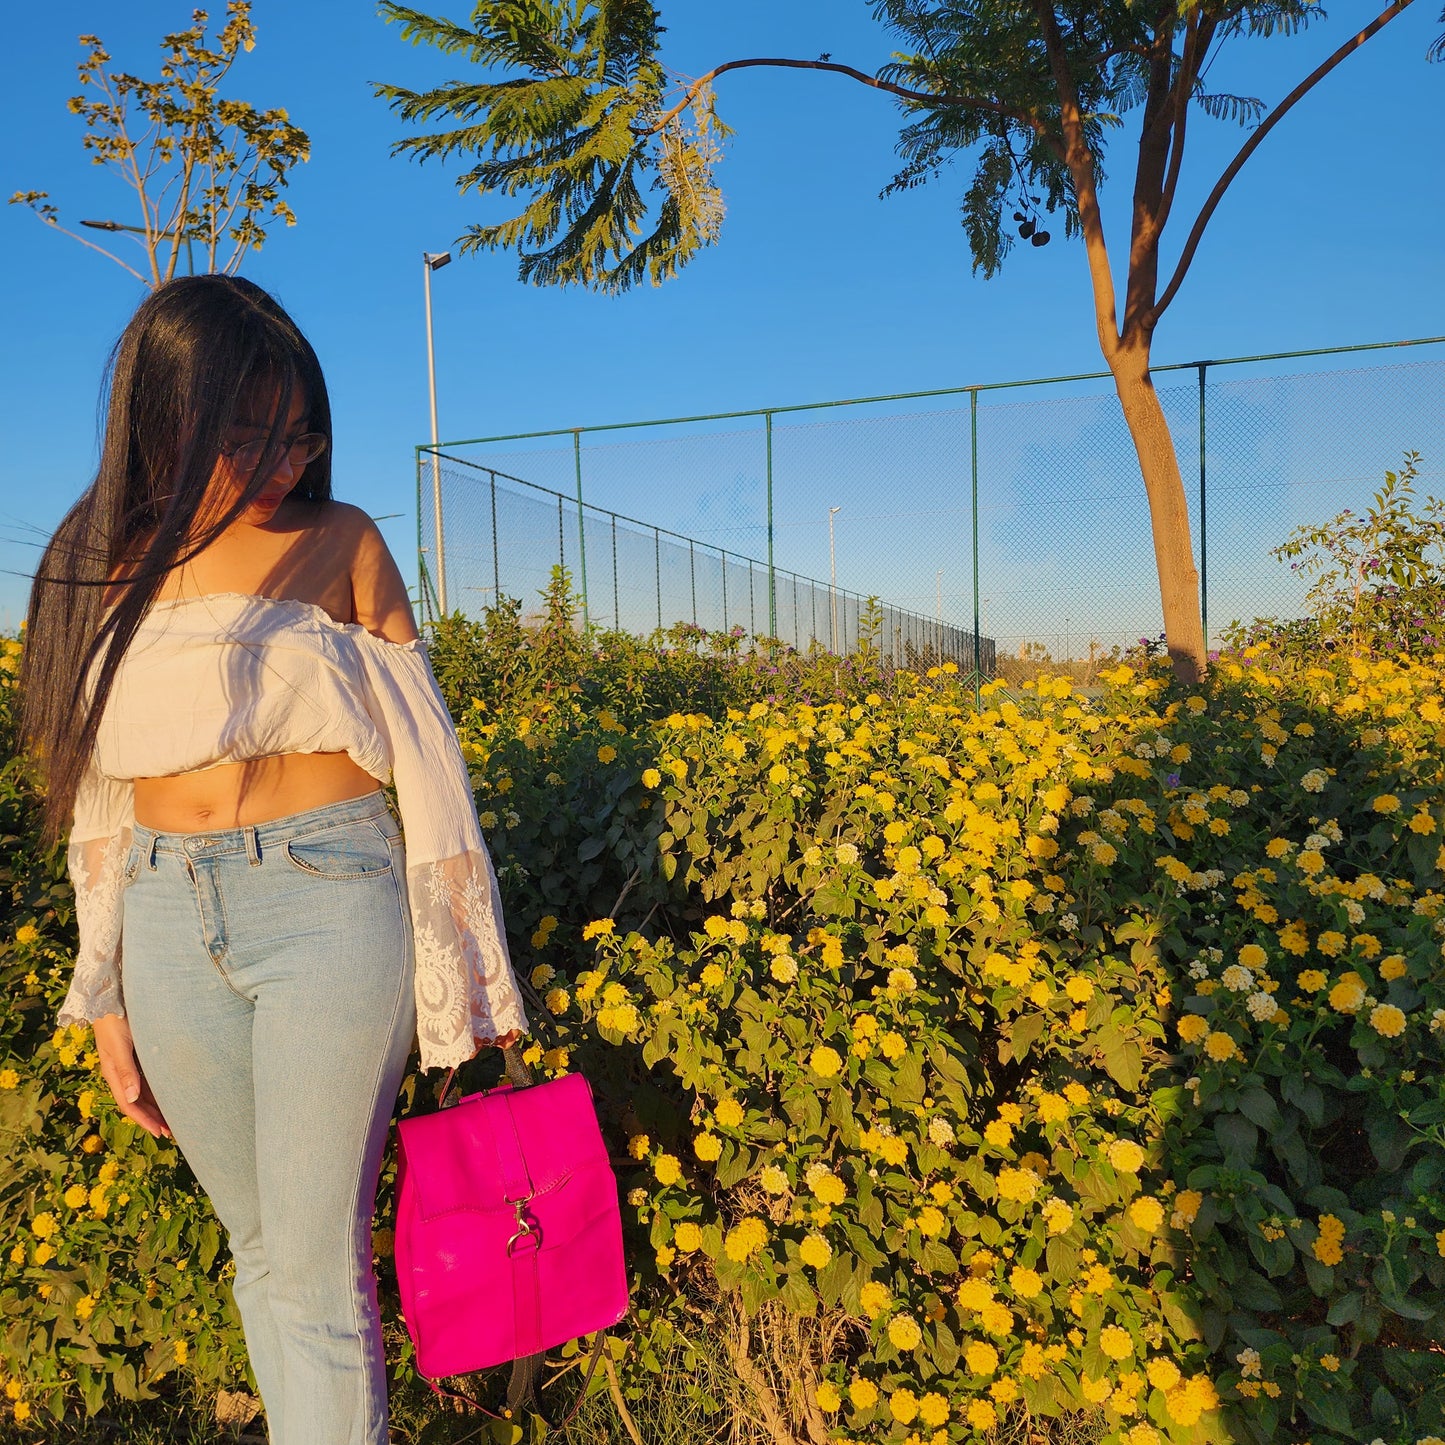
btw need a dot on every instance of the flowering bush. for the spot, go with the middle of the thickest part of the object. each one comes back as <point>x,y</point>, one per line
<point>1071,1056</point>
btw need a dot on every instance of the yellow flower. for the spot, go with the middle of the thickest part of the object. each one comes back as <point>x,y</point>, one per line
<point>1220,1046</point>
<point>1005,1391</point>
<point>1348,995</point>
<point>1115,1342</point>
<point>1327,1247</point>
<point>825,1062</point>
<point>85,1306</point>
<point>651,778</point>
<point>1393,967</point>
<point>1163,1374</point>
<point>980,1357</point>
<point>27,934</point>
<point>904,1406</point>
<point>815,1251</point>
<point>826,1397</point>
<point>1386,1019</point>
<point>183,1351</point>
<point>43,1225</point>
<point>1095,1391</point>
<point>557,1001</point>
<point>773,1180</point>
<point>745,1238</point>
<point>1079,989</point>
<point>1253,956</point>
<point>76,1195</point>
<point>1312,980</point>
<point>667,1169</point>
<point>707,1147</point>
<point>1025,1283</point>
<point>1186,1208</point>
<point>1076,1094</point>
<point>729,1113</point>
<point>874,1298</point>
<point>606,753</point>
<point>893,1045</point>
<point>863,1392</point>
<point>1104,853</point>
<point>637,1146</point>
<point>1331,942</point>
<point>904,1332</point>
<point>1386,803</point>
<point>9,1079</point>
<point>932,1409</point>
<point>713,976</point>
<point>997,1133</point>
<point>22,1410</point>
<point>599,928</point>
<point>687,1237</point>
<point>1018,1184</point>
<point>1146,1213</point>
<point>982,1415</point>
<point>1058,1216</point>
<point>1053,1108</point>
<point>1126,1156</point>
<point>975,1294</point>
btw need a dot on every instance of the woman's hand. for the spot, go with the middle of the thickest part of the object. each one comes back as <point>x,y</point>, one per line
<point>128,1085</point>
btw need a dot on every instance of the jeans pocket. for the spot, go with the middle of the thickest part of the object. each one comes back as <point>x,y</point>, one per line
<point>132,864</point>
<point>352,850</point>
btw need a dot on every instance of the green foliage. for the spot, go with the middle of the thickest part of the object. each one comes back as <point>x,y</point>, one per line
<point>1378,579</point>
<point>924,1045</point>
<point>207,171</point>
<point>576,118</point>
<point>576,108</point>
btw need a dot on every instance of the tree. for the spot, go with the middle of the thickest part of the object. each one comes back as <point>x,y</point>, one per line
<point>207,172</point>
<point>616,155</point>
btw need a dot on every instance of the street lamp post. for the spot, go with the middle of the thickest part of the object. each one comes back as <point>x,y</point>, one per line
<point>833,581</point>
<point>434,261</point>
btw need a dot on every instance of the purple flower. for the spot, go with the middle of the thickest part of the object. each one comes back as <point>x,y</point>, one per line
<point>1173,780</point>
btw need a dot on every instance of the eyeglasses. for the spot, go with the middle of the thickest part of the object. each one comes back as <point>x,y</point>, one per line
<point>301,450</point>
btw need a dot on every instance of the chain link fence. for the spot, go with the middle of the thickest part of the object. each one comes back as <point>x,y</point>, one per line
<point>1001,526</point>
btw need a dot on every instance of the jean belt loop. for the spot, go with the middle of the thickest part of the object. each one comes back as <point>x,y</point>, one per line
<point>253,851</point>
<point>151,851</point>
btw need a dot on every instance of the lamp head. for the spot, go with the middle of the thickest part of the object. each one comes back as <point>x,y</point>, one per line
<point>435,260</point>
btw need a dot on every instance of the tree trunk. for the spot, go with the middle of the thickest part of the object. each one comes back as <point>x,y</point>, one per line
<point>1168,509</point>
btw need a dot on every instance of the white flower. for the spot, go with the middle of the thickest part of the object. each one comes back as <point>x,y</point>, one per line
<point>1249,1363</point>
<point>1143,750</point>
<point>1354,912</point>
<point>1318,841</point>
<point>1042,903</point>
<point>1331,830</point>
<point>1068,922</point>
<point>813,856</point>
<point>1216,954</point>
<point>940,1131</point>
<point>1314,781</point>
<point>1199,969</point>
<point>1437,1021</point>
<point>1238,797</point>
<point>1237,978</point>
<point>847,853</point>
<point>1262,1006</point>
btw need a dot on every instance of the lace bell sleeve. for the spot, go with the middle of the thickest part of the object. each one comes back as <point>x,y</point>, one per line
<point>99,845</point>
<point>466,993</point>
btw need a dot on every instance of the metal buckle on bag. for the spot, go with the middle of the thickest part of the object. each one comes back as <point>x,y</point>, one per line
<point>523,1225</point>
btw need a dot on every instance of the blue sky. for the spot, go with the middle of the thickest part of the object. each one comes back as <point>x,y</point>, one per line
<point>818,289</point>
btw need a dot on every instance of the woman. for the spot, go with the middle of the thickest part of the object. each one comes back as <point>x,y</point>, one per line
<point>221,670</point>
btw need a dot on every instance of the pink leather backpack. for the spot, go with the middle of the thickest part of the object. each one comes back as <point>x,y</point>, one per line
<point>508,1231</point>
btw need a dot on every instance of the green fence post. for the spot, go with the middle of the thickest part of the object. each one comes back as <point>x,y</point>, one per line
<point>772,581</point>
<point>581,521</point>
<point>657,571</point>
<point>496,549</point>
<point>1203,528</point>
<point>973,488</point>
<point>616,604</point>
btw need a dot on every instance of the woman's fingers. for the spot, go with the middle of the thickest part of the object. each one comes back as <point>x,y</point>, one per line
<point>128,1086</point>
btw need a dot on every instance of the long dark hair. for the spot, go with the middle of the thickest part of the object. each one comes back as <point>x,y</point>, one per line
<point>197,351</point>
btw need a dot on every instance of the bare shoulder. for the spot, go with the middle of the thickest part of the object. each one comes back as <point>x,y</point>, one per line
<point>378,591</point>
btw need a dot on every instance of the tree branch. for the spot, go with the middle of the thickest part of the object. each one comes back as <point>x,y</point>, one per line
<point>92,246</point>
<point>1253,143</point>
<point>1081,169</point>
<point>923,97</point>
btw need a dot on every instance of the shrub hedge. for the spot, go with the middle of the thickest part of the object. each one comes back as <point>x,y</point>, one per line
<point>1077,1054</point>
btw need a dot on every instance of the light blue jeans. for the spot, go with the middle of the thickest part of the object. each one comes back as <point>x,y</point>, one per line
<point>268,980</point>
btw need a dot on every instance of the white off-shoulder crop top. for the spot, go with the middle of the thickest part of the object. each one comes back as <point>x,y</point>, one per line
<point>231,677</point>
